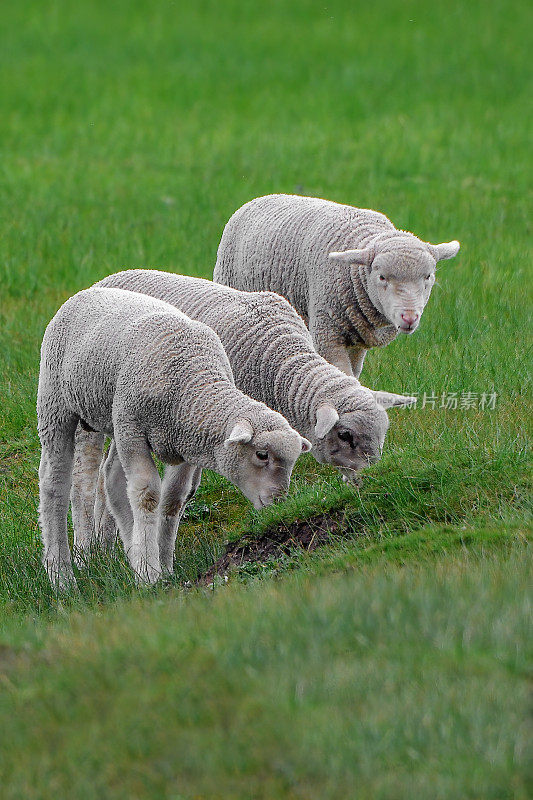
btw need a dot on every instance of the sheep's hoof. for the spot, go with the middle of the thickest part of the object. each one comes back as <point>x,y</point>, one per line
<point>81,555</point>
<point>167,567</point>
<point>146,573</point>
<point>61,575</point>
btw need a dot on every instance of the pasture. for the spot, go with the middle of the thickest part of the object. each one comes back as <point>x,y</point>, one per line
<point>392,661</point>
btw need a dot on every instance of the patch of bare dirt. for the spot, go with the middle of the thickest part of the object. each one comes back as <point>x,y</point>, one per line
<point>276,542</point>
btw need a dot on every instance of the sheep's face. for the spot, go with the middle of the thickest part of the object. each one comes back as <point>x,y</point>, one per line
<point>354,440</point>
<point>260,463</point>
<point>399,285</point>
<point>399,279</point>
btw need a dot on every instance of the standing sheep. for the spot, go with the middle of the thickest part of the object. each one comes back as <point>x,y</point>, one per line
<point>356,280</point>
<point>135,368</point>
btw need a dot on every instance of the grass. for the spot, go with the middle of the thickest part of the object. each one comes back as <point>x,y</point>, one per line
<point>387,683</point>
<point>129,133</point>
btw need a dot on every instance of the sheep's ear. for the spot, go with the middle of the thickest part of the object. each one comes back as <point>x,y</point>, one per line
<point>241,433</point>
<point>326,418</point>
<point>306,445</point>
<point>364,256</point>
<point>388,399</point>
<point>440,252</point>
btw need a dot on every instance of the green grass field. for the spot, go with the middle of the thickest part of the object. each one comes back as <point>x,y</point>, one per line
<point>393,662</point>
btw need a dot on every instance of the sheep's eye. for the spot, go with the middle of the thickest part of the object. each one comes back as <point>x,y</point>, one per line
<point>262,455</point>
<point>345,436</point>
<point>382,278</point>
<point>428,276</point>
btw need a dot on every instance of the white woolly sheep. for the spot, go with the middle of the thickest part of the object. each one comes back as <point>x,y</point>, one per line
<point>135,368</point>
<point>356,280</point>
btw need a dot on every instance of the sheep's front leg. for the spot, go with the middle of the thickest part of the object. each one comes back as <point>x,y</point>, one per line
<point>327,343</point>
<point>105,525</point>
<point>336,354</point>
<point>143,491</point>
<point>87,457</point>
<point>357,359</point>
<point>55,478</point>
<point>179,486</point>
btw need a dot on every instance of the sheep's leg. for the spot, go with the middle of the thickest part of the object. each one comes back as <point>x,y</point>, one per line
<point>87,457</point>
<point>357,359</point>
<point>115,506</point>
<point>336,354</point>
<point>327,344</point>
<point>55,478</point>
<point>144,492</point>
<point>104,521</point>
<point>179,486</point>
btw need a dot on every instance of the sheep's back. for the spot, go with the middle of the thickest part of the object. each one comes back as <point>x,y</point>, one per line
<point>281,243</point>
<point>258,331</point>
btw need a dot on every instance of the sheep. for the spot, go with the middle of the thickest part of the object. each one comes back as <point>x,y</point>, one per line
<point>356,280</point>
<point>137,369</point>
<point>274,361</point>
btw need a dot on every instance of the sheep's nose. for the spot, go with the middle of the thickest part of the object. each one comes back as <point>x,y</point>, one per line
<point>410,317</point>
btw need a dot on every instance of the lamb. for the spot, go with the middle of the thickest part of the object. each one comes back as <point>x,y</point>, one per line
<point>356,280</point>
<point>135,368</point>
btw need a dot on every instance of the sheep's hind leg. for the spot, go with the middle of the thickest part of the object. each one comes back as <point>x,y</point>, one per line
<point>114,509</point>
<point>179,486</point>
<point>88,450</point>
<point>55,478</point>
<point>104,521</point>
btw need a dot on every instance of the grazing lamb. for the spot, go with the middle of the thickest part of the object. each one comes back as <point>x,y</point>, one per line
<point>135,368</point>
<point>356,280</point>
